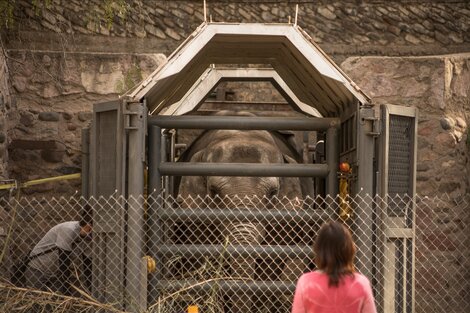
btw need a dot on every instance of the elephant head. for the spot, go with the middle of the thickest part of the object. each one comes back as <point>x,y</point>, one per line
<point>230,146</point>
<point>235,146</point>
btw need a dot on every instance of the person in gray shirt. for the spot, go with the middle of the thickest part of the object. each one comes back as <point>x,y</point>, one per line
<point>50,260</point>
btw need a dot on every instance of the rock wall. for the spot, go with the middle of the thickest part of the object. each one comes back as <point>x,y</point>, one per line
<point>54,97</point>
<point>343,28</point>
<point>440,88</point>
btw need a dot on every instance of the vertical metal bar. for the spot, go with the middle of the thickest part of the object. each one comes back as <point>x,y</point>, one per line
<point>137,295</point>
<point>172,159</point>
<point>85,163</point>
<point>154,192</point>
<point>164,153</point>
<point>332,157</point>
<point>365,178</point>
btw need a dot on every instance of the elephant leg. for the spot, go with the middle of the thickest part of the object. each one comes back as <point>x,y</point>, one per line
<point>243,267</point>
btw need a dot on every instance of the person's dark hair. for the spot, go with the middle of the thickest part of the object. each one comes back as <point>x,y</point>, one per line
<point>86,220</point>
<point>334,252</point>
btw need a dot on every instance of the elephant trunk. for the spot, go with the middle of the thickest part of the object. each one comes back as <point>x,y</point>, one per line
<point>243,266</point>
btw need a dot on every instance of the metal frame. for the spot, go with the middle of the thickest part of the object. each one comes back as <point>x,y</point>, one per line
<point>365,173</point>
<point>247,169</point>
<point>158,168</point>
<point>304,67</point>
<point>303,74</point>
<point>213,76</point>
<point>135,287</point>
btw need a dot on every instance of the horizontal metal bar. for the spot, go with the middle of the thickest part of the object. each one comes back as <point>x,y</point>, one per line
<point>230,287</point>
<point>272,251</point>
<point>243,169</point>
<point>245,215</point>
<point>243,122</point>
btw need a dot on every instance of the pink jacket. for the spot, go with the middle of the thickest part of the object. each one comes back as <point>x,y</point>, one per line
<point>313,295</point>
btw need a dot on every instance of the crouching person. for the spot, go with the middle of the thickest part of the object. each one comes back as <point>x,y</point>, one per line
<point>49,266</point>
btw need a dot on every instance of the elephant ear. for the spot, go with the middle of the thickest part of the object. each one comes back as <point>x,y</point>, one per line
<point>192,189</point>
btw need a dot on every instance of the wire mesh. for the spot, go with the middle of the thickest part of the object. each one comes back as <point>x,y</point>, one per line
<point>233,254</point>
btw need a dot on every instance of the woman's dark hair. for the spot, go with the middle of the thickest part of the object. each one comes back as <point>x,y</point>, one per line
<point>334,252</point>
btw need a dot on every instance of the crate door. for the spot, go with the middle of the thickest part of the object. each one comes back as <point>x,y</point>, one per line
<point>397,187</point>
<point>107,176</point>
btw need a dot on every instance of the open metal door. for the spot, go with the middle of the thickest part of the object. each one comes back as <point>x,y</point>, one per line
<point>107,179</point>
<point>397,186</point>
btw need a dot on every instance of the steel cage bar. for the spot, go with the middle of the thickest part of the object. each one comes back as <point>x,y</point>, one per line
<point>243,169</point>
<point>244,123</point>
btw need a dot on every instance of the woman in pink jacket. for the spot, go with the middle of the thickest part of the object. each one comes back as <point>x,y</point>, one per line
<point>335,287</point>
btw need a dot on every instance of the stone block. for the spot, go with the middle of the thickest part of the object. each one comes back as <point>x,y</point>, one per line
<point>326,13</point>
<point>84,116</point>
<point>46,60</point>
<point>172,34</point>
<point>155,31</point>
<point>19,83</point>
<point>67,116</point>
<point>50,91</point>
<point>447,123</point>
<point>52,156</point>
<point>461,122</point>
<point>33,144</point>
<point>49,116</point>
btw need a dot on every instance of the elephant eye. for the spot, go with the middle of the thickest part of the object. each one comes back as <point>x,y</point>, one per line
<point>272,193</point>
<point>213,191</point>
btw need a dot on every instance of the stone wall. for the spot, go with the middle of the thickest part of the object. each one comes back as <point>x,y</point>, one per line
<point>342,28</point>
<point>440,88</point>
<point>55,93</point>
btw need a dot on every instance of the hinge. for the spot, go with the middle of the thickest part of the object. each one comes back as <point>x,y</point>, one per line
<point>127,118</point>
<point>369,114</point>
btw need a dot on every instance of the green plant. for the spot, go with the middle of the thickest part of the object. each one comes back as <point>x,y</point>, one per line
<point>6,13</point>
<point>112,9</point>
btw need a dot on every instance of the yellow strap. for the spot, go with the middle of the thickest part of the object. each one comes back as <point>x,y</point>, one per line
<point>41,181</point>
<point>8,186</point>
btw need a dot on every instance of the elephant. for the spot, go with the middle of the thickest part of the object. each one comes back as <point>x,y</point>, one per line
<point>221,192</point>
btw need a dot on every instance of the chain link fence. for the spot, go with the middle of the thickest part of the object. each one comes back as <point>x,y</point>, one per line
<point>239,254</point>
